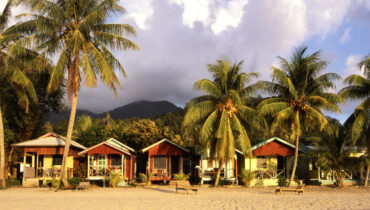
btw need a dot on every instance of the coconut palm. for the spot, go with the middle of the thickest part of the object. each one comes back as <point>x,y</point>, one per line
<point>13,68</point>
<point>218,118</point>
<point>333,152</point>
<point>299,96</point>
<point>77,31</point>
<point>359,88</point>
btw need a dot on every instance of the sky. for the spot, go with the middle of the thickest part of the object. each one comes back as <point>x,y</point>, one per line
<point>178,38</point>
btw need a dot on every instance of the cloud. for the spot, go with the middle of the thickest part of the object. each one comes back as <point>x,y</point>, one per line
<point>179,37</point>
<point>346,37</point>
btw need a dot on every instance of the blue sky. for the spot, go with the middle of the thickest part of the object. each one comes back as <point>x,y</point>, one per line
<point>178,38</point>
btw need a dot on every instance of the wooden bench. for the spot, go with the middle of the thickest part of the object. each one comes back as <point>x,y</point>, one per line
<point>185,185</point>
<point>83,185</point>
<point>298,190</point>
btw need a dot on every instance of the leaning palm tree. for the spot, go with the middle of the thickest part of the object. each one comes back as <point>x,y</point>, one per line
<point>359,88</point>
<point>77,30</point>
<point>299,96</point>
<point>14,64</point>
<point>218,119</point>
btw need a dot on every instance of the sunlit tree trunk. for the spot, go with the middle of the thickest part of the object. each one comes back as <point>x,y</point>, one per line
<point>2,152</point>
<point>218,173</point>
<point>295,161</point>
<point>367,175</point>
<point>69,138</point>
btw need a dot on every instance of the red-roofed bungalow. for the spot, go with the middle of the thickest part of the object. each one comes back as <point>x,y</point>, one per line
<point>270,158</point>
<point>110,156</point>
<point>165,158</point>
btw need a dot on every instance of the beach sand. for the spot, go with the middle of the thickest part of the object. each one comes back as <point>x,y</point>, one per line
<point>165,197</point>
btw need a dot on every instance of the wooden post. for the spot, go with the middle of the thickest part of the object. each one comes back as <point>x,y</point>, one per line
<point>24,166</point>
<point>37,165</point>
<point>181,164</point>
<point>122,159</point>
<point>131,167</point>
<point>88,165</point>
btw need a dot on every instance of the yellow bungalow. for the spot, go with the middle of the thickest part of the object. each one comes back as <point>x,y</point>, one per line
<point>43,158</point>
<point>270,159</point>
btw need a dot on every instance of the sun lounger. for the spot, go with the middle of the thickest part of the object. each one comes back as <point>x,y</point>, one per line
<point>185,185</point>
<point>298,190</point>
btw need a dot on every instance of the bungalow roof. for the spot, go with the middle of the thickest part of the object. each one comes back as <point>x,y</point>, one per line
<point>260,144</point>
<point>48,140</point>
<point>113,143</point>
<point>164,140</point>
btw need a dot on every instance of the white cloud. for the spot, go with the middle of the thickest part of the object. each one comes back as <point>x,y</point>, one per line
<point>352,65</point>
<point>230,15</point>
<point>139,10</point>
<point>346,37</point>
<point>194,10</point>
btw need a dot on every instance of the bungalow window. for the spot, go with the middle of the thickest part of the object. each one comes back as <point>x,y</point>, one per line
<point>261,162</point>
<point>115,160</point>
<point>209,163</point>
<point>57,160</point>
<point>160,162</point>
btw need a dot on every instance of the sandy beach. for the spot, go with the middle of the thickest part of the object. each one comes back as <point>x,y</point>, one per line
<point>165,197</point>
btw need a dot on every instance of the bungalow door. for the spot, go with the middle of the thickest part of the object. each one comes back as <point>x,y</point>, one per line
<point>102,162</point>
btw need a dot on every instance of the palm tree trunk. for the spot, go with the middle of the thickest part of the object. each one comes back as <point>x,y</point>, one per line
<point>2,153</point>
<point>69,138</point>
<point>367,176</point>
<point>218,173</point>
<point>295,161</point>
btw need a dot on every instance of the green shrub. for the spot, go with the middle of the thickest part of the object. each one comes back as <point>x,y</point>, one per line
<point>12,182</point>
<point>145,178</point>
<point>56,183</point>
<point>246,177</point>
<point>75,181</point>
<point>115,179</point>
<point>282,181</point>
<point>181,176</point>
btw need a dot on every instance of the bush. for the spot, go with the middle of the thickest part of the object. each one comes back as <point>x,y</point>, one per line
<point>282,181</point>
<point>145,178</point>
<point>12,182</point>
<point>115,179</point>
<point>75,181</point>
<point>181,177</point>
<point>246,177</point>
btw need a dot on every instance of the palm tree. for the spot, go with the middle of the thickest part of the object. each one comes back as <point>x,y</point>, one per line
<point>333,152</point>
<point>77,30</point>
<point>299,96</point>
<point>359,88</point>
<point>218,119</point>
<point>15,62</point>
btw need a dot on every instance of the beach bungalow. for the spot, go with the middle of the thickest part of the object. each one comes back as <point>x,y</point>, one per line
<point>270,159</point>
<point>110,156</point>
<point>320,176</point>
<point>43,158</point>
<point>165,158</point>
<point>208,168</point>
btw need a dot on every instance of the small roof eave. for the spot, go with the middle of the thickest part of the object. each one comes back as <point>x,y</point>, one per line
<point>105,143</point>
<point>164,140</point>
<point>260,144</point>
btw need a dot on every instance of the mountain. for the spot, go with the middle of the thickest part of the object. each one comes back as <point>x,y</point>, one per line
<point>140,109</point>
<point>62,115</point>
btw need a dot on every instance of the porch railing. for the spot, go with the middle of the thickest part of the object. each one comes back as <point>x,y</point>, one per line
<point>53,172</point>
<point>104,171</point>
<point>268,174</point>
